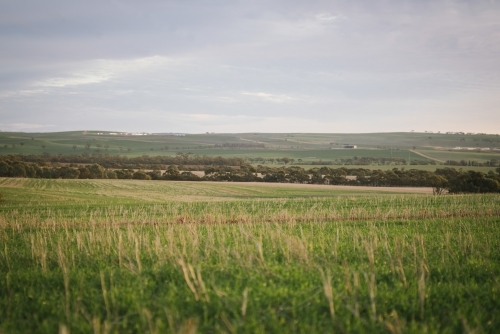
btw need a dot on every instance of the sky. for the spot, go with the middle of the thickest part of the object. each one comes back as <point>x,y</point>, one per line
<point>197,66</point>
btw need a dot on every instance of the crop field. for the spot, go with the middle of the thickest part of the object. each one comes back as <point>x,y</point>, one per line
<point>429,168</point>
<point>316,154</point>
<point>114,256</point>
<point>461,155</point>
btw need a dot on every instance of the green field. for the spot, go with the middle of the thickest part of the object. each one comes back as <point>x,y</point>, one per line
<point>307,147</point>
<point>460,155</point>
<point>429,168</point>
<point>118,256</point>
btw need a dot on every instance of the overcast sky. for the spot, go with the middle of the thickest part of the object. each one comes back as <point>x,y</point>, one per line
<point>244,66</point>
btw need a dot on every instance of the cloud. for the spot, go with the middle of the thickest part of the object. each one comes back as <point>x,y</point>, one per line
<point>73,80</point>
<point>24,126</point>
<point>101,70</point>
<point>276,98</point>
<point>327,17</point>
<point>235,65</point>
<point>21,93</point>
<point>204,117</point>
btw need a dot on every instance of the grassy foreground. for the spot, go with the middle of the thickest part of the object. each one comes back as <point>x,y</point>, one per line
<point>101,257</point>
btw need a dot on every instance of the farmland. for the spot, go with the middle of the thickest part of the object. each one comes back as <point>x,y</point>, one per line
<point>303,148</point>
<point>144,256</point>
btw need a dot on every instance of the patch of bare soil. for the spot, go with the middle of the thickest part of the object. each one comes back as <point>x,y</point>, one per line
<point>413,190</point>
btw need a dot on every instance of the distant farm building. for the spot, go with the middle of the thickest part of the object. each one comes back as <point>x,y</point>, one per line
<point>350,146</point>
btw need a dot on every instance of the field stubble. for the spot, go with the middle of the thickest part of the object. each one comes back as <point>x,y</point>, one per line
<point>394,263</point>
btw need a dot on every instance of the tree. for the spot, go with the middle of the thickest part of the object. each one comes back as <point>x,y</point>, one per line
<point>5,169</point>
<point>155,174</point>
<point>296,175</point>
<point>448,173</point>
<point>473,182</point>
<point>317,178</point>
<point>172,170</point>
<point>31,170</point>
<point>36,170</point>
<point>18,170</point>
<point>68,173</point>
<point>96,171</point>
<point>47,173</point>
<point>75,147</point>
<point>84,173</point>
<point>438,183</point>
<point>141,176</point>
<point>43,147</point>
<point>334,176</point>
<point>111,174</point>
<point>22,143</point>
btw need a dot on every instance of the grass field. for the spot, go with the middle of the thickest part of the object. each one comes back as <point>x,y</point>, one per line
<point>430,168</point>
<point>142,256</point>
<point>308,147</point>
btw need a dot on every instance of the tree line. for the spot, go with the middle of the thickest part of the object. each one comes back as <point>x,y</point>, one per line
<point>445,179</point>
<point>118,161</point>
<point>199,162</point>
<point>488,163</point>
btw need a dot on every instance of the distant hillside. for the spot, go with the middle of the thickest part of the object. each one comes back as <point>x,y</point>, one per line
<point>308,147</point>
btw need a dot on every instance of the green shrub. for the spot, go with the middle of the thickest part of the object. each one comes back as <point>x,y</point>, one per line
<point>141,176</point>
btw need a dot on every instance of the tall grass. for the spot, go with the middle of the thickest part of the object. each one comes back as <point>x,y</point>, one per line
<point>254,211</point>
<point>344,264</point>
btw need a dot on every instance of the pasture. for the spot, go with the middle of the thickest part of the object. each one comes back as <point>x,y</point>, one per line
<point>109,256</point>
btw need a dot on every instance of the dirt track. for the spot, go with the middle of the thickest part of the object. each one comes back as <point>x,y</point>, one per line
<point>413,190</point>
<point>426,156</point>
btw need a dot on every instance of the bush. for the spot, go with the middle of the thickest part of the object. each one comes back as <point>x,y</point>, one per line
<point>124,174</point>
<point>110,174</point>
<point>96,171</point>
<point>141,176</point>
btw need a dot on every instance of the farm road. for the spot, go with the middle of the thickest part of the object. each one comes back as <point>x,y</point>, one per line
<point>426,156</point>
